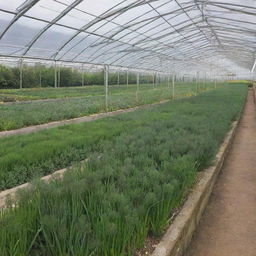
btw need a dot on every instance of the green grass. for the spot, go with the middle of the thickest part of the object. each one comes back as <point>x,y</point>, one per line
<point>239,82</point>
<point>141,165</point>
<point>67,92</point>
<point>25,114</point>
<point>63,92</point>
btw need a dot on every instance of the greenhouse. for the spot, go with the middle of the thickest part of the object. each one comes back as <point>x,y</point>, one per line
<point>127,127</point>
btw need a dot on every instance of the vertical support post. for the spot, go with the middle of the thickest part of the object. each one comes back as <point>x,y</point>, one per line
<point>40,77</point>
<point>106,69</point>
<point>118,78</point>
<point>138,83</point>
<point>21,73</point>
<point>82,74</point>
<point>59,76</point>
<point>168,81</point>
<point>127,78</point>
<point>197,81</point>
<point>205,80</point>
<point>153,79</point>
<point>55,75</point>
<point>173,86</point>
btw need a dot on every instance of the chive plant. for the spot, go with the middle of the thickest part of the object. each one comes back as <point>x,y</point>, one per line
<point>108,205</point>
<point>25,157</point>
<point>23,114</point>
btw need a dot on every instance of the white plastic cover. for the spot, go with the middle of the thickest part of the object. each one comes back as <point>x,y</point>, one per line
<point>187,36</point>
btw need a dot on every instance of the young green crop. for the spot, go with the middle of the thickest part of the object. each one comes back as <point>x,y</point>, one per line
<point>32,113</point>
<point>23,158</point>
<point>127,190</point>
<point>83,91</point>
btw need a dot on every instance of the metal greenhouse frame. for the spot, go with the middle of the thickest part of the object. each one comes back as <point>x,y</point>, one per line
<point>212,38</point>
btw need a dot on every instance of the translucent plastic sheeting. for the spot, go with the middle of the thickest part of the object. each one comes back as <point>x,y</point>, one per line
<point>187,36</point>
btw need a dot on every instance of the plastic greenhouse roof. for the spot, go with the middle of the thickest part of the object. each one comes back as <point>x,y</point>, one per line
<point>160,35</point>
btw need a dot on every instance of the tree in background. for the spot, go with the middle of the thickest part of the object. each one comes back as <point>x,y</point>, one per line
<point>43,76</point>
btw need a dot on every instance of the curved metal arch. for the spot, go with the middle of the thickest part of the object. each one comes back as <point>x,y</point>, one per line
<point>148,21</point>
<point>107,21</point>
<point>53,22</point>
<point>104,16</point>
<point>21,11</point>
<point>211,34</point>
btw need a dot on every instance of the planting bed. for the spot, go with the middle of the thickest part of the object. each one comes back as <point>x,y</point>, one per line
<point>84,91</point>
<point>65,92</point>
<point>35,155</point>
<point>37,112</point>
<point>107,207</point>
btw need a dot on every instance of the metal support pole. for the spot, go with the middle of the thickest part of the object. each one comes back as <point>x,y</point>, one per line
<point>21,73</point>
<point>253,67</point>
<point>59,77</point>
<point>205,81</point>
<point>138,83</point>
<point>168,81</point>
<point>82,75</point>
<point>127,78</point>
<point>106,70</point>
<point>55,75</point>
<point>118,78</point>
<point>197,80</point>
<point>173,86</point>
<point>40,77</point>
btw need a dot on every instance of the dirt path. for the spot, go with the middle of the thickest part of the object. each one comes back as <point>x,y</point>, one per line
<point>228,226</point>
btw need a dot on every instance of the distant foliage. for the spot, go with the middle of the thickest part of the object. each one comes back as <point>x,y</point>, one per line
<point>8,77</point>
<point>42,76</point>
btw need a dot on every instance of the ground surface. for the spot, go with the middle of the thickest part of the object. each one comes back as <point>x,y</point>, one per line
<point>228,226</point>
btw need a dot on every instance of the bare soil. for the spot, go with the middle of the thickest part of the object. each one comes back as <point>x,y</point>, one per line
<point>228,226</point>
